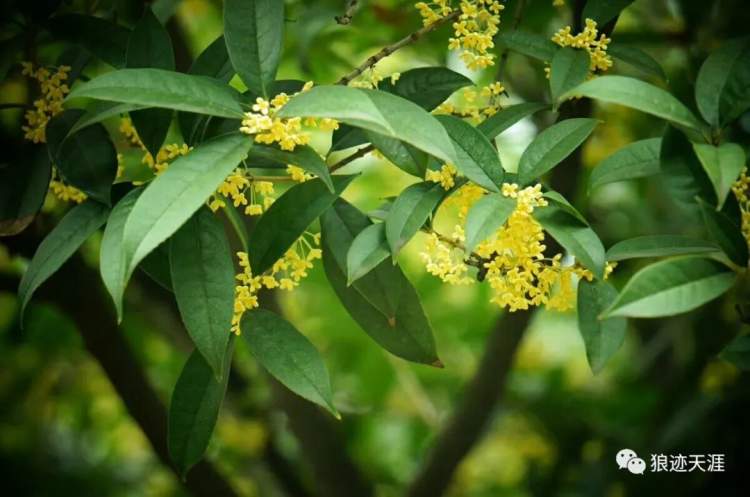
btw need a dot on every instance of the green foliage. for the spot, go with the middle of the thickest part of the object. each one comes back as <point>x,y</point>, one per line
<point>635,160</point>
<point>23,186</point>
<point>302,156</point>
<point>682,173</point>
<point>427,87</point>
<point>507,117</point>
<point>658,246</point>
<point>106,40</point>
<point>722,89</point>
<point>530,44</point>
<point>486,217</point>
<point>603,11</point>
<point>637,58</point>
<point>369,248</point>
<point>568,69</point>
<point>723,164</point>
<point>602,337</point>
<point>410,212</point>
<point>725,233</point>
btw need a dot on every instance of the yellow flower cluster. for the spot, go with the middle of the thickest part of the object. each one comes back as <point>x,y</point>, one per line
<point>371,78</point>
<point>287,132</point>
<point>165,154</point>
<point>63,191</point>
<point>237,186</point>
<point>741,189</point>
<point>512,260</point>
<point>285,274</point>
<point>474,29</point>
<point>298,174</point>
<point>587,39</point>
<point>478,103</point>
<point>49,104</point>
<point>445,176</point>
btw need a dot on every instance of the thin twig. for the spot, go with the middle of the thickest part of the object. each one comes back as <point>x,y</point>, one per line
<point>517,16</point>
<point>388,50</point>
<point>346,19</point>
<point>14,106</point>
<point>351,158</point>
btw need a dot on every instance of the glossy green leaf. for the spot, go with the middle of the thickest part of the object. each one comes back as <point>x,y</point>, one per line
<point>672,287</point>
<point>111,253</point>
<point>165,89</point>
<point>156,266</point>
<point>61,243</point>
<point>288,356</point>
<point>477,158</point>
<point>150,46</point>
<point>507,117</point>
<point>254,34</point>
<point>568,69</point>
<point>682,174</point>
<point>427,87</point>
<point>530,44</point>
<point>302,156</point>
<point>602,337</point>
<point>383,302</point>
<point>552,146</point>
<point>404,156</point>
<point>723,165</point>
<point>576,237</point>
<point>23,186</point>
<point>658,246</point>
<point>173,196</point>
<point>101,111</point>
<point>635,160</point>
<point>603,11</point>
<point>638,95</point>
<point>636,58</point>
<point>376,111</point>
<point>106,40</point>
<point>727,235</point>
<point>485,217</point>
<point>348,136</point>
<point>288,218</point>
<point>722,89</point>
<point>369,248</point>
<point>410,212</point>
<point>193,410</point>
<point>203,281</point>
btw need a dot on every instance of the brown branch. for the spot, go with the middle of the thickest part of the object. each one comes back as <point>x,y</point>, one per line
<point>388,50</point>
<point>346,18</point>
<point>361,152</point>
<point>475,411</point>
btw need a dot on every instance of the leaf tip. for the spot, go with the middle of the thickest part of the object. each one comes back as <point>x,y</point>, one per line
<point>438,364</point>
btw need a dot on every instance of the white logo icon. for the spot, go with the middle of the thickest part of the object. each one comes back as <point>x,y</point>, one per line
<point>637,466</point>
<point>628,459</point>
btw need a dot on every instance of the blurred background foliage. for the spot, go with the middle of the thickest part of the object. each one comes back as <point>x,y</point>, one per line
<point>64,431</point>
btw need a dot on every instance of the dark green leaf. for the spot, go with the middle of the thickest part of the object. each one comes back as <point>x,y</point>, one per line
<point>602,338</point>
<point>302,156</point>
<point>61,243</point>
<point>427,87</point>
<point>203,281</point>
<point>106,40</point>
<point>410,211</point>
<point>369,248</point>
<point>347,137</point>
<point>477,158</point>
<point>485,217</point>
<point>288,218</point>
<point>156,266</point>
<point>552,146</point>
<point>682,173</point>
<point>288,356</point>
<point>101,111</point>
<point>658,246</point>
<point>404,156</point>
<point>568,69</point>
<point>254,34</point>
<point>23,186</point>
<point>727,235</point>
<point>636,58</point>
<point>507,117</point>
<point>603,11</point>
<point>738,352</point>
<point>722,89</point>
<point>723,164</point>
<point>635,160</point>
<point>530,44</point>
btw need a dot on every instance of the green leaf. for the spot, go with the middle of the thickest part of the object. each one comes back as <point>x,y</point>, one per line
<point>530,44</point>
<point>254,34</point>
<point>101,111</point>
<point>23,186</point>
<point>106,40</point>
<point>507,117</point>
<point>552,146</point>
<point>171,198</point>
<point>111,254</point>
<point>682,173</point>
<point>203,280</point>
<point>568,69</point>
<point>427,87</point>
<point>635,160</point>
<point>638,95</point>
<point>672,287</point>
<point>404,156</point>
<point>302,156</point>
<point>376,111</point>
<point>477,158</point>
<point>636,58</point>
<point>150,46</point>
<point>194,409</point>
<point>288,218</point>
<point>658,246</point>
<point>383,302</point>
<point>723,165</point>
<point>738,352</point>
<point>164,89</point>
<point>603,11</point>
<point>602,338</point>
<point>369,248</point>
<point>156,266</point>
<point>576,237</point>
<point>87,159</point>
<point>410,211</point>
<point>288,356</point>
<point>728,236</point>
<point>722,89</point>
<point>61,243</point>
<point>346,137</point>
<point>485,217</point>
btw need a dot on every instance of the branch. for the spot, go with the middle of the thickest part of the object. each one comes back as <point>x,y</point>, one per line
<point>346,18</point>
<point>474,412</point>
<point>361,152</point>
<point>388,50</point>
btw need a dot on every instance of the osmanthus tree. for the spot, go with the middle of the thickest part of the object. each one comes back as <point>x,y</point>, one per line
<point>216,192</point>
